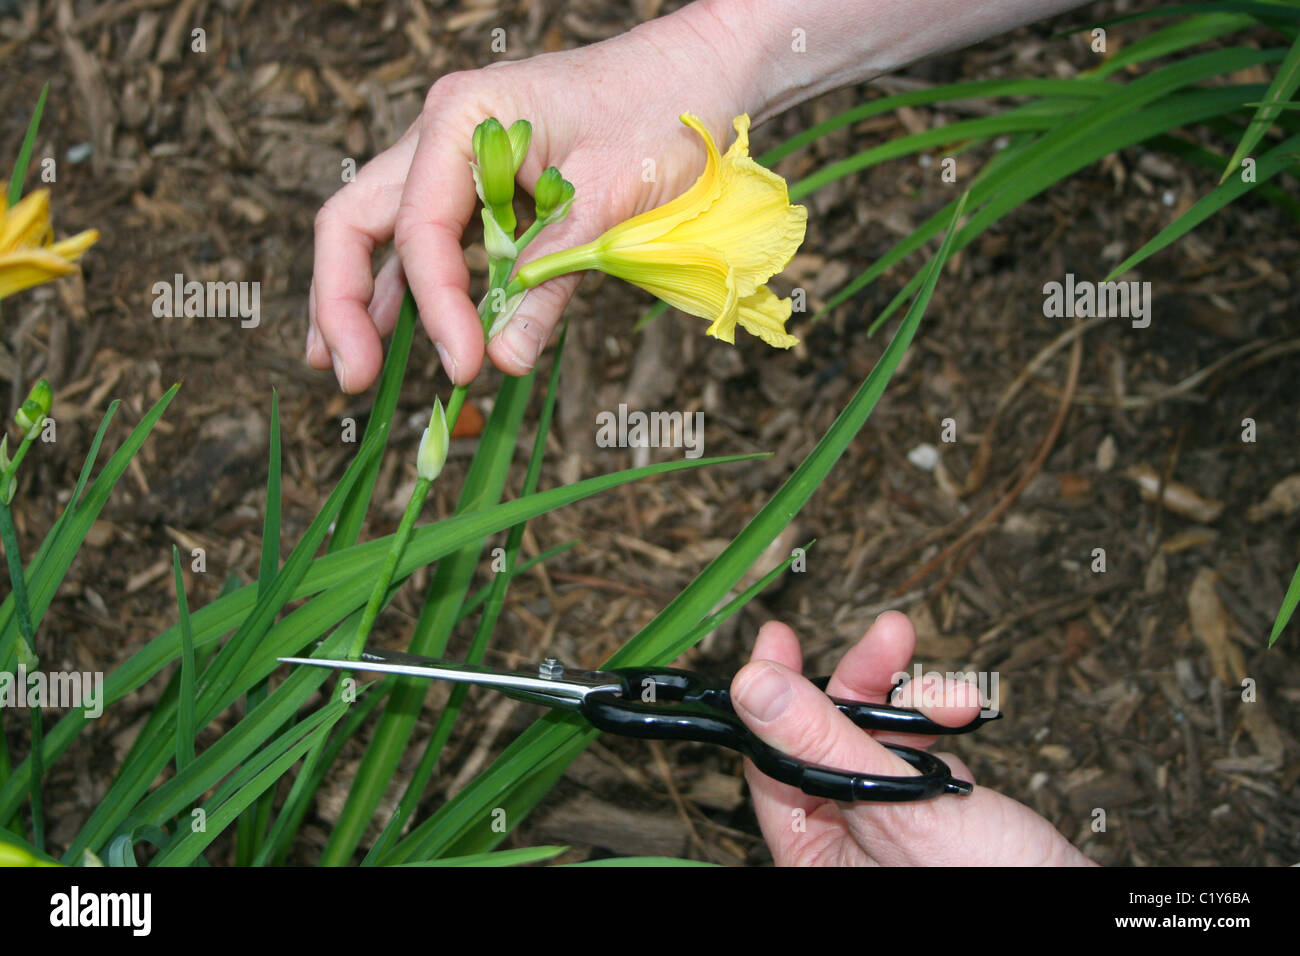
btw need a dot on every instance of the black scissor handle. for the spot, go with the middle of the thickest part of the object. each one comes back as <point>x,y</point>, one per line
<point>683,706</point>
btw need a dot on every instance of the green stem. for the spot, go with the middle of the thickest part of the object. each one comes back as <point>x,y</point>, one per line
<point>413,508</point>
<point>529,235</point>
<point>560,263</point>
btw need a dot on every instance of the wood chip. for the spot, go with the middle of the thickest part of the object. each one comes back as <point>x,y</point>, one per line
<point>1178,498</point>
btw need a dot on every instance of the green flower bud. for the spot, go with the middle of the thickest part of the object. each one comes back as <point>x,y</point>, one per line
<point>4,453</point>
<point>35,408</point>
<point>520,133</point>
<point>553,195</point>
<point>43,395</point>
<point>29,417</point>
<point>433,444</point>
<point>496,170</point>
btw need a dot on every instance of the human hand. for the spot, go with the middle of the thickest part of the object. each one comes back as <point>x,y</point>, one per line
<point>606,115</point>
<point>790,714</point>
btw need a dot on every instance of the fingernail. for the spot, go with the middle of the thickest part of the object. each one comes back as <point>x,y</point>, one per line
<point>340,370</point>
<point>767,695</point>
<point>448,364</point>
<point>313,340</point>
<point>518,339</point>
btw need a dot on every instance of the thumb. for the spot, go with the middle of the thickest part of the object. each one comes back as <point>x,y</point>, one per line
<point>787,712</point>
<point>517,347</point>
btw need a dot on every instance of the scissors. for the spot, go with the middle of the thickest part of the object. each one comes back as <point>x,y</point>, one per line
<point>666,703</point>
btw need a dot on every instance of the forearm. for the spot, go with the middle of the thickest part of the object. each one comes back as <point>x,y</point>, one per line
<point>780,53</point>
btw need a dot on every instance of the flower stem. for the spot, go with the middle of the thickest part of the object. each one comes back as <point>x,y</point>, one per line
<point>413,508</point>
<point>556,264</point>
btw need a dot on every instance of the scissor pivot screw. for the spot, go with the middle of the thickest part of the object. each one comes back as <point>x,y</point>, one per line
<point>550,669</point>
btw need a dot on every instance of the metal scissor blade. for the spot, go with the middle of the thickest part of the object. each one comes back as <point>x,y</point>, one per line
<point>567,689</point>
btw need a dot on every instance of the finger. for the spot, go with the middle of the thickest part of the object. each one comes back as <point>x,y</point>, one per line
<point>516,349</point>
<point>349,226</point>
<point>871,668</point>
<point>435,207</point>
<point>386,301</point>
<point>789,818</point>
<point>790,714</point>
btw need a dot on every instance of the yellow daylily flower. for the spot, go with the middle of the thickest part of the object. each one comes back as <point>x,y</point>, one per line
<point>28,254</point>
<point>707,252</point>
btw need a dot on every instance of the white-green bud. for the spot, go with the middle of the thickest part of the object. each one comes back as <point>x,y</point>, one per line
<point>433,445</point>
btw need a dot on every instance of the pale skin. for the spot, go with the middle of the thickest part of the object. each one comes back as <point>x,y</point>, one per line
<point>598,114</point>
<point>789,713</point>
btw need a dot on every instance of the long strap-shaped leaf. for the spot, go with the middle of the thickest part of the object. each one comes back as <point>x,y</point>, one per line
<point>1282,156</point>
<point>346,577</point>
<point>1279,92</point>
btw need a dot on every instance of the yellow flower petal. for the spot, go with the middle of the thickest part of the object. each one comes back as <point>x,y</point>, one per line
<point>28,256</point>
<point>693,278</point>
<point>73,247</point>
<point>27,224</point>
<point>707,252</point>
<point>22,270</point>
<point>763,315</point>
<point>752,219</point>
<point>649,226</point>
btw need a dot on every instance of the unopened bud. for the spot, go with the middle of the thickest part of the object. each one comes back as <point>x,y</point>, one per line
<point>35,408</point>
<point>553,195</point>
<point>433,445</point>
<point>521,134</point>
<point>496,170</point>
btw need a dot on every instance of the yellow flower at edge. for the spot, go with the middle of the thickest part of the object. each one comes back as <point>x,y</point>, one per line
<point>28,254</point>
<point>707,252</point>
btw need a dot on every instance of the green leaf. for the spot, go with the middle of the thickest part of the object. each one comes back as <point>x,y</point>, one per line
<point>1288,607</point>
<point>121,852</point>
<point>45,576</point>
<point>353,514</point>
<point>1270,164</point>
<point>344,582</point>
<point>532,854</point>
<point>25,151</point>
<point>1279,92</point>
<point>254,778</point>
<point>185,731</point>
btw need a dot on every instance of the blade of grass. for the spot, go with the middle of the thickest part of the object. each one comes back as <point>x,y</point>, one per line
<point>1270,164</point>
<point>532,854</point>
<point>18,581</point>
<point>252,825</point>
<point>1280,91</point>
<point>1288,607</point>
<point>270,766</point>
<point>343,580</point>
<point>46,575</point>
<point>348,526</point>
<point>25,151</point>
<point>185,731</point>
<point>1177,110</point>
<point>1058,152</point>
